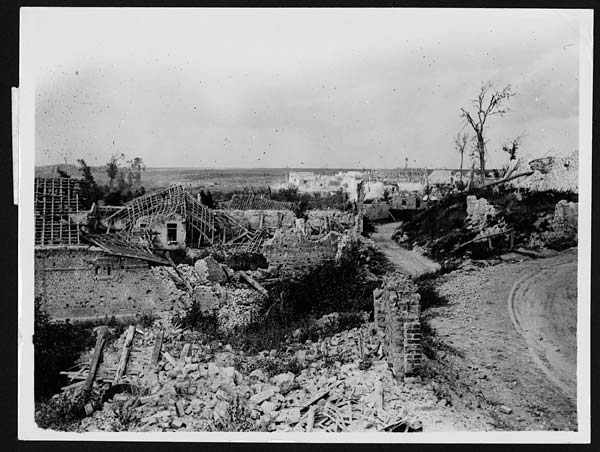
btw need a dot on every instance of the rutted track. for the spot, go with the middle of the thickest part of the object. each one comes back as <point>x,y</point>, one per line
<point>543,308</point>
<point>520,354</point>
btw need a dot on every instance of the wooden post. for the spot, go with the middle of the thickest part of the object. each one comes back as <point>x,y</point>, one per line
<point>360,346</point>
<point>379,394</point>
<point>310,421</point>
<point>156,350</point>
<point>124,354</point>
<point>185,351</point>
<point>100,340</point>
<point>250,280</point>
<point>185,281</point>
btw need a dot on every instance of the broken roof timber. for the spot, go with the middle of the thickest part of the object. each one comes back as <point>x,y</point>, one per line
<point>115,244</point>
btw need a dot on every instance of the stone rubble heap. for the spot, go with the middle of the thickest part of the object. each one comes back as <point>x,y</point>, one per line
<point>340,383</point>
<point>231,300</point>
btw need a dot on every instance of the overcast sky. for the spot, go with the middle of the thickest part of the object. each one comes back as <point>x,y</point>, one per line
<point>311,87</point>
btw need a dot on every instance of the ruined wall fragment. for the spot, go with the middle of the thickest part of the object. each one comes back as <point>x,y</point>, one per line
<point>396,313</point>
<point>258,219</point>
<point>290,252</point>
<point>79,282</point>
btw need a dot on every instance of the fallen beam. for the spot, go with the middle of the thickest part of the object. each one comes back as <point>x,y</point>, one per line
<point>250,280</point>
<point>100,340</point>
<point>183,279</point>
<point>156,350</point>
<point>124,354</point>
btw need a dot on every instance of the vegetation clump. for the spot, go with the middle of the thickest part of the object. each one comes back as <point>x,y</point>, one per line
<point>442,229</point>
<point>294,306</point>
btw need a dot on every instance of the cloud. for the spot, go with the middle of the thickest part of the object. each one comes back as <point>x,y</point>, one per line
<point>226,88</point>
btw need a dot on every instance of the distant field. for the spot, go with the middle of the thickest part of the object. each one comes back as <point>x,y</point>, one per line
<point>223,180</point>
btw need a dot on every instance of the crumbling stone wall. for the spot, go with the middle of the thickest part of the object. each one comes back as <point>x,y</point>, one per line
<point>479,211</point>
<point>322,219</point>
<point>565,216</point>
<point>81,282</point>
<point>396,311</point>
<point>257,219</point>
<point>377,210</point>
<point>291,252</point>
<point>406,201</point>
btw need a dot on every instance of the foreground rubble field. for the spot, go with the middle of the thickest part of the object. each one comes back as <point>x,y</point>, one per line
<point>323,385</point>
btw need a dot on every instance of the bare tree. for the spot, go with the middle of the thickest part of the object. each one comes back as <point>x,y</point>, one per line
<point>511,147</point>
<point>460,144</point>
<point>489,102</point>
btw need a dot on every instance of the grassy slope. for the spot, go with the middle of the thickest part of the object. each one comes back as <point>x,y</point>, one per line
<point>441,226</point>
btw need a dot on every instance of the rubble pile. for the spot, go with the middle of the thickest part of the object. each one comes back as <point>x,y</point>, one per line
<point>340,383</point>
<point>240,307</point>
<point>551,173</point>
<point>231,300</point>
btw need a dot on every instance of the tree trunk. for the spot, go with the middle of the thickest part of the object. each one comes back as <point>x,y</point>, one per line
<point>462,155</point>
<point>481,149</point>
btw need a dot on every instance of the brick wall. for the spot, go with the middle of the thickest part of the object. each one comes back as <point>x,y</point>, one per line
<point>86,282</point>
<point>396,309</point>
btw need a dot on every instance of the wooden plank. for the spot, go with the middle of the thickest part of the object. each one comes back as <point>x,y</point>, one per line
<point>253,283</point>
<point>185,281</point>
<point>100,340</point>
<point>320,395</point>
<point>185,351</point>
<point>169,359</point>
<point>378,395</point>
<point>310,422</point>
<point>73,385</point>
<point>124,354</point>
<point>157,348</point>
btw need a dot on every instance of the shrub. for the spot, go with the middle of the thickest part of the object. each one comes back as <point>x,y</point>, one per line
<point>428,292</point>
<point>440,226</point>
<point>194,319</point>
<point>237,418</point>
<point>57,346</point>
<point>146,320</point>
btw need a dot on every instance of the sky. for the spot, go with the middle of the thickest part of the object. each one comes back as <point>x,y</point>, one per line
<point>351,88</point>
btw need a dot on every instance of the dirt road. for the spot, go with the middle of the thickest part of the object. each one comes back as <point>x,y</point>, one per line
<point>543,307</point>
<point>508,336</point>
<point>406,261</point>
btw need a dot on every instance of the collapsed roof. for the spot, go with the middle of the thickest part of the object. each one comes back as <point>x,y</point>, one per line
<point>253,202</point>
<point>205,226</point>
<point>56,206</point>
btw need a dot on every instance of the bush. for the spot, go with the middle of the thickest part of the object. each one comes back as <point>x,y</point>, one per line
<point>429,294</point>
<point>146,320</point>
<point>57,346</point>
<point>237,418</point>
<point>559,241</point>
<point>194,319</point>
